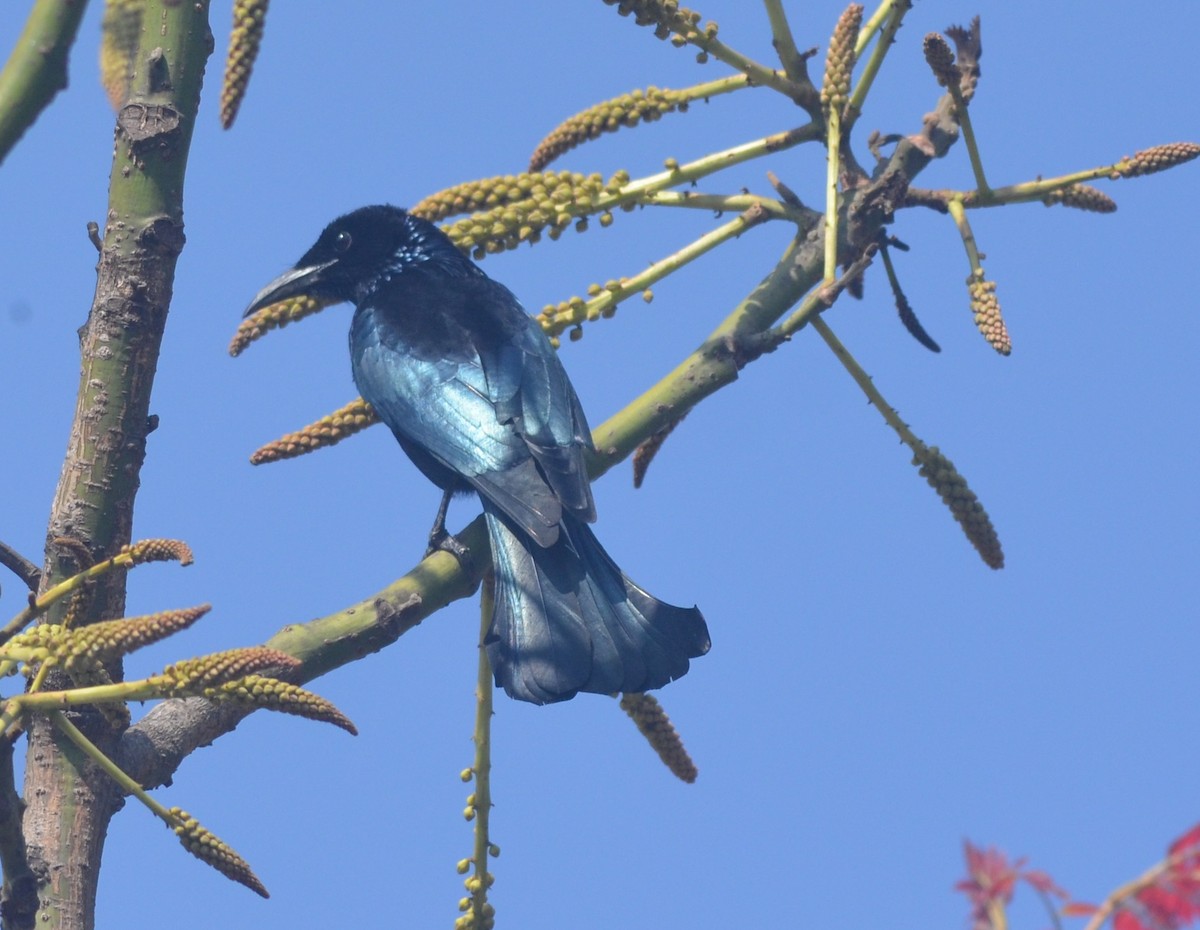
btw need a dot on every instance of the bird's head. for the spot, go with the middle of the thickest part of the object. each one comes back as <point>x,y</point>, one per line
<point>358,250</point>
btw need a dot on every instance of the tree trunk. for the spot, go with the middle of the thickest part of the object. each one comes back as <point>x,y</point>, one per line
<point>69,803</point>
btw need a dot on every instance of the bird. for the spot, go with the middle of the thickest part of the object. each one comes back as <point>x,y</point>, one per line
<point>479,400</point>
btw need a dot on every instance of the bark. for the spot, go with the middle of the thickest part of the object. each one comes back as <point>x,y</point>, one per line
<point>68,805</point>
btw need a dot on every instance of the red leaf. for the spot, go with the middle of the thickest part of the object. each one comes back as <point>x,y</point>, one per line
<point>1189,839</point>
<point>1172,900</point>
<point>1124,920</point>
<point>1043,883</point>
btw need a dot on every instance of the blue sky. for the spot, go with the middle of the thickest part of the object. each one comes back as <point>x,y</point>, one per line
<point>874,694</point>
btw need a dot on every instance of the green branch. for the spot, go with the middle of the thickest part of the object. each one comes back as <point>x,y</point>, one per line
<point>721,203</point>
<point>708,164</point>
<point>894,10</point>
<point>574,312</point>
<point>479,914</point>
<point>36,69</point>
<point>794,63</point>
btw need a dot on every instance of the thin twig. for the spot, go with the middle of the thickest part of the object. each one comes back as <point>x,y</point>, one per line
<point>878,53</point>
<point>20,566</point>
<point>794,64</point>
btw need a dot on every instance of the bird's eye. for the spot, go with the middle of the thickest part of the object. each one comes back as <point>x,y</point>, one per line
<point>342,241</point>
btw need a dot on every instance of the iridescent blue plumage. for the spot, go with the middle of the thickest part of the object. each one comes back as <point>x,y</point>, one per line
<point>479,400</point>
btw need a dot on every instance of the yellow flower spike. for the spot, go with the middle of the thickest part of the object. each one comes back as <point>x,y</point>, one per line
<point>1158,158</point>
<point>344,422</point>
<point>627,110</point>
<point>193,676</point>
<point>273,694</point>
<point>275,316</point>
<point>110,639</point>
<point>150,550</point>
<point>34,645</point>
<point>835,95</point>
<point>666,16</point>
<point>463,866</point>
<point>119,32</point>
<point>935,467</point>
<point>207,847</point>
<point>655,725</point>
<point>502,193</point>
<point>952,488</point>
<point>1082,197</point>
<point>249,17</point>
<point>984,305</point>
<point>554,201</point>
<point>77,607</point>
<point>157,550</point>
<point>839,61</point>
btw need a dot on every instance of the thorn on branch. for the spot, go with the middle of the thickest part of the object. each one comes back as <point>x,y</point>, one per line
<point>645,453</point>
<point>786,194</point>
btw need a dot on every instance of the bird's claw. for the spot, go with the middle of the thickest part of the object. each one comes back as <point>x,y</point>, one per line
<point>447,542</point>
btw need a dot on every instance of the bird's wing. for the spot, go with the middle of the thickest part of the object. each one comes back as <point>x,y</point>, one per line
<point>502,417</point>
<point>529,388</point>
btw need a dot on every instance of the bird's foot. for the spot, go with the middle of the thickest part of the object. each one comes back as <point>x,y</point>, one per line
<point>447,542</point>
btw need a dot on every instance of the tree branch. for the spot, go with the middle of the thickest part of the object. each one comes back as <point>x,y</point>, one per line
<point>37,68</point>
<point>69,806</point>
<point>154,748</point>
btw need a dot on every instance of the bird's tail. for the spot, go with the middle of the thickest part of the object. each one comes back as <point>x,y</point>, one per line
<point>567,620</point>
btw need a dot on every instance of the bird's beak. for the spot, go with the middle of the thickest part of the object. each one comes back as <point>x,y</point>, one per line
<point>291,283</point>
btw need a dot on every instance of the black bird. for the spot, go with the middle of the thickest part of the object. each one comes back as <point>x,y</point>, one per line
<point>478,399</point>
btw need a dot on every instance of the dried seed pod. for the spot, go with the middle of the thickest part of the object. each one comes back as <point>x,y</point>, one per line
<point>656,726</point>
<point>944,478</point>
<point>986,308</point>
<point>1082,197</point>
<point>940,59</point>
